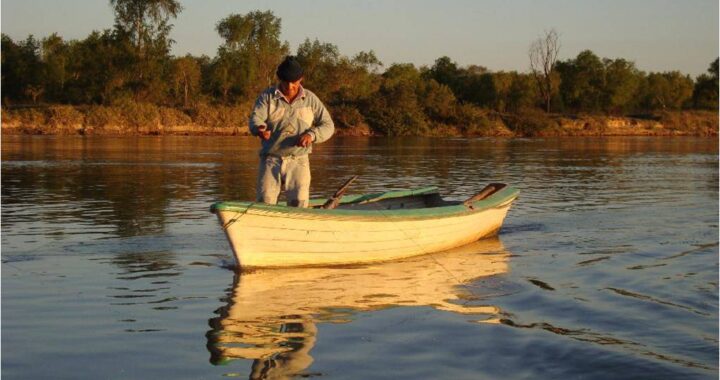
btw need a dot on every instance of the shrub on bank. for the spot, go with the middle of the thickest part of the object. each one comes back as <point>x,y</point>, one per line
<point>398,122</point>
<point>140,115</point>
<point>171,117</point>
<point>103,117</point>
<point>473,120</point>
<point>698,123</point>
<point>235,116</point>
<point>531,123</point>
<point>349,121</point>
<point>221,116</point>
<point>465,119</point>
<point>346,116</point>
<point>64,117</point>
<point>445,130</point>
<point>27,117</point>
<point>204,115</point>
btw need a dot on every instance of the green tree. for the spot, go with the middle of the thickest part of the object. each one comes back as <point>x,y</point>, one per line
<point>229,76</point>
<point>669,90</point>
<point>253,47</point>
<point>621,85</point>
<point>478,88</point>
<point>401,74</point>
<point>345,84</point>
<point>589,84</point>
<point>55,57</point>
<point>437,100</point>
<point>359,78</point>
<point>522,94</point>
<point>367,60</point>
<point>350,82</point>
<point>322,64</point>
<point>705,93</point>
<point>396,109</point>
<point>582,82</point>
<point>501,86</point>
<point>23,73</point>
<point>186,75</point>
<point>12,77</point>
<point>446,71</point>
<point>100,68</point>
<point>146,22</point>
<point>335,78</point>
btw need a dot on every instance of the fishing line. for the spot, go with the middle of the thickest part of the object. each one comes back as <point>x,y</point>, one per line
<point>430,254</point>
<point>238,215</point>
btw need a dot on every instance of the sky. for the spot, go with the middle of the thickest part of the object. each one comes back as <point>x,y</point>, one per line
<point>658,35</point>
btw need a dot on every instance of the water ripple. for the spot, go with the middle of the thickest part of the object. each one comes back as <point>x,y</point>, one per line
<point>109,253</point>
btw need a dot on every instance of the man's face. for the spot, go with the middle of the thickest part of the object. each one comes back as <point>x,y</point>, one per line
<point>290,89</point>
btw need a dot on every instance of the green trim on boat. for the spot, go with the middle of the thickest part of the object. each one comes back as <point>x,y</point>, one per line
<point>346,199</point>
<point>359,198</point>
<point>499,198</point>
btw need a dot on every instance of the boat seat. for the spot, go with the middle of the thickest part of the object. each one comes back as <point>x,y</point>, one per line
<point>400,203</point>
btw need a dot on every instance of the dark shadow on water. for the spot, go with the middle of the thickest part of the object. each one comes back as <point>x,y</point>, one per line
<point>516,228</point>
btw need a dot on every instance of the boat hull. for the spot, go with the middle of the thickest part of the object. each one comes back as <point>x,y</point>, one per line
<point>274,236</point>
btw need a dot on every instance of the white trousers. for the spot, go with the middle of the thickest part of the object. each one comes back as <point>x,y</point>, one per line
<point>291,174</point>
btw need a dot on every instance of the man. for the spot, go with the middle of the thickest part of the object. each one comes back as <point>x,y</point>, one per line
<point>288,119</point>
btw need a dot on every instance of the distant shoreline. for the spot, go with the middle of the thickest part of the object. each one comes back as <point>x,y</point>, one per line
<point>231,121</point>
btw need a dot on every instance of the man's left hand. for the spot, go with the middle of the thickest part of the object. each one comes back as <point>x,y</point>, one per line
<point>305,140</point>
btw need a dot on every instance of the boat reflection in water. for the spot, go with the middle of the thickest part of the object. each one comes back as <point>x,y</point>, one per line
<point>272,315</point>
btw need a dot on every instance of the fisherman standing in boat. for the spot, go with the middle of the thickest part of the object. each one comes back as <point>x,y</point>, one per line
<point>288,119</point>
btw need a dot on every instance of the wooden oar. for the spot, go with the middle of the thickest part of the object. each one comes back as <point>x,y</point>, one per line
<point>335,199</point>
<point>484,193</point>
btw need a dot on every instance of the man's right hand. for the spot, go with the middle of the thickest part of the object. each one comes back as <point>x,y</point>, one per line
<point>264,133</point>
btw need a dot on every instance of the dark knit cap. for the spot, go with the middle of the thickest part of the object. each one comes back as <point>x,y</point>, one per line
<point>290,69</point>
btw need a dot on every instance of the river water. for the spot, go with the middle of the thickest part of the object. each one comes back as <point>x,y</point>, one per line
<point>606,267</point>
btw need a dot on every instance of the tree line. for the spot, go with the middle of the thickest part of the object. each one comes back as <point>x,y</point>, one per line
<point>131,63</point>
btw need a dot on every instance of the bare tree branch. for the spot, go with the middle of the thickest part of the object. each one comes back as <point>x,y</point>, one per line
<point>543,54</point>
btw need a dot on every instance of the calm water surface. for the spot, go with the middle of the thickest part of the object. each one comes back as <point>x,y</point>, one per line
<point>607,266</point>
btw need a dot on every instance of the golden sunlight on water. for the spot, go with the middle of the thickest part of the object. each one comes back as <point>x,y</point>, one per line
<point>272,316</point>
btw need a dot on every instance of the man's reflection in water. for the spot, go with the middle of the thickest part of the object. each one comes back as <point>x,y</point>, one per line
<point>291,363</point>
<point>285,354</point>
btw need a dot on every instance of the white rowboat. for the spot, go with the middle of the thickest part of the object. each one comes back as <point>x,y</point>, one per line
<point>362,229</point>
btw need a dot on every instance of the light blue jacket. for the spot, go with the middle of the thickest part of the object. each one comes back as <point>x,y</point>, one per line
<point>288,121</point>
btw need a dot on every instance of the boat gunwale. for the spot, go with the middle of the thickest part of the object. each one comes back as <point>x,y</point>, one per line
<point>499,199</point>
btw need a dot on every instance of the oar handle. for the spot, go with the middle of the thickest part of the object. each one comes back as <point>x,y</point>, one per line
<point>335,199</point>
<point>484,193</point>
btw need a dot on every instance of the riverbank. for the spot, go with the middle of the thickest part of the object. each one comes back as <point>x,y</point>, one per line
<point>140,119</point>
